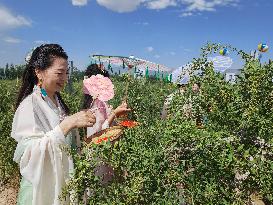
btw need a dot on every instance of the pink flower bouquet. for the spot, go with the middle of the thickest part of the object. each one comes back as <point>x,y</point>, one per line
<point>99,87</point>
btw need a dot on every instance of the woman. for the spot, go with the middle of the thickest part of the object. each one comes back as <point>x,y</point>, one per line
<point>168,100</point>
<point>105,116</point>
<point>187,107</point>
<point>104,113</point>
<point>42,127</point>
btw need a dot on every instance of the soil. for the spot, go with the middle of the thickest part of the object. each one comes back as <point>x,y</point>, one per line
<point>8,194</point>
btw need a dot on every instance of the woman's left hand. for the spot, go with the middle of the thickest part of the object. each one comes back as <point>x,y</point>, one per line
<point>122,109</point>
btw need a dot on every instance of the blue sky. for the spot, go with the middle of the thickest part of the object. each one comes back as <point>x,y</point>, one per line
<point>169,32</point>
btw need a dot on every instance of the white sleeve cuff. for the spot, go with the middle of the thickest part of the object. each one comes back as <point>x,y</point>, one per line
<point>57,135</point>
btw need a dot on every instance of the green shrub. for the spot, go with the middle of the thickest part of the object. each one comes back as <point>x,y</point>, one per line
<point>228,160</point>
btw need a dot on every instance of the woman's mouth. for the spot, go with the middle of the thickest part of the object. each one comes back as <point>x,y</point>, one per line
<point>60,84</point>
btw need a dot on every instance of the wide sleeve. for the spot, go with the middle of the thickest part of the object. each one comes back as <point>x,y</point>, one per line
<point>39,155</point>
<point>25,131</point>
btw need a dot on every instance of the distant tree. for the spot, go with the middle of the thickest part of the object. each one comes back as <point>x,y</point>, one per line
<point>77,74</point>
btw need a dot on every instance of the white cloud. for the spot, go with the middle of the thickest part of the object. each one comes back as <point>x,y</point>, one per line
<point>161,4</point>
<point>172,53</point>
<point>157,56</point>
<point>186,14</point>
<point>206,5</point>
<point>120,5</point>
<point>190,7</point>
<point>150,49</point>
<point>40,42</point>
<point>12,40</point>
<point>142,23</point>
<point>79,2</point>
<point>187,50</point>
<point>9,20</point>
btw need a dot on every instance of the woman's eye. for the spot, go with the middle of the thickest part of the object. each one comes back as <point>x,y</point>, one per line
<point>62,73</point>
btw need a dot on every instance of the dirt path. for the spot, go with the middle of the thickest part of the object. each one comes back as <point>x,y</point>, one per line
<point>8,196</point>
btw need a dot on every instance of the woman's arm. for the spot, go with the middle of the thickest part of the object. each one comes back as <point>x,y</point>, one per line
<point>101,122</point>
<point>83,118</point>
<point>120,110</point>
<point>111,117</point>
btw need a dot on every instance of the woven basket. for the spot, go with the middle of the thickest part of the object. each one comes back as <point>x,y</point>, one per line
<point>112,133</point>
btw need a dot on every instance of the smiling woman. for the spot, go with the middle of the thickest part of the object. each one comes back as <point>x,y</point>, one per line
<point>54,78</point>
<point>42,127</point>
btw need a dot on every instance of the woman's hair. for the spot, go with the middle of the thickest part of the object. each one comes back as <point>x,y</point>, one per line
<point>198,83</point>
<point>92,69</point>
<point>181,85</point>
<point>41,59</point>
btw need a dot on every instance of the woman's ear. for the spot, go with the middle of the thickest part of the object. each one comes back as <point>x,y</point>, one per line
<point>37,73</point>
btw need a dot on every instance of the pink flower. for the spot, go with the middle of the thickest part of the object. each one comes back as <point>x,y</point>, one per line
<point>99,86</point>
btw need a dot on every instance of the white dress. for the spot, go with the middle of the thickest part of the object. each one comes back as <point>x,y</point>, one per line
<point>44,166</point>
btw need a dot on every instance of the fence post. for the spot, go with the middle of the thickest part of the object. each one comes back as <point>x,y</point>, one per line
<point>70,86</point>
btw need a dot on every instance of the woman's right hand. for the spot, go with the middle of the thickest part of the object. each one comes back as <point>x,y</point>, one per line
<point>83,118</point>
<point>122,109</point>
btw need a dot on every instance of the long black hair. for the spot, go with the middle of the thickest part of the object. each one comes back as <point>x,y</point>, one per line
<point>92,69</point>
<point>41,59</point>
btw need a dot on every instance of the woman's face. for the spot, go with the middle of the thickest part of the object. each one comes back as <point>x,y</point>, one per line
<point>54,77</point>
<point>195,88</point>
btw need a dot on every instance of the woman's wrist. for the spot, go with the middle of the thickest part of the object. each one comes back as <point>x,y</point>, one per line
<point>111,117</point>
<point>114,113</point>
<point>65,127</point>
